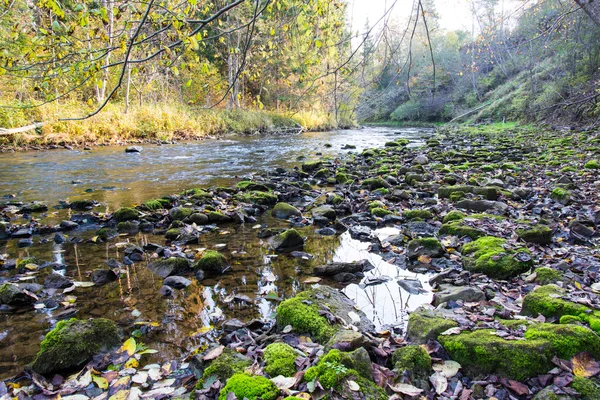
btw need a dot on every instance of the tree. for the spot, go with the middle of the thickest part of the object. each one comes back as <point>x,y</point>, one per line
<point>591,8</point>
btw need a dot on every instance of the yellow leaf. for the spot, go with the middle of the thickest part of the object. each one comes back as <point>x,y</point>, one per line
<point>101,382</point>
<point>424,259</point>
<point>129,346</point>
<point>132,363</point>
<point>578,285</point>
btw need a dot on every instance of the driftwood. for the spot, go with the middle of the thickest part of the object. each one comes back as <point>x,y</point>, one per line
<point>12,131</point>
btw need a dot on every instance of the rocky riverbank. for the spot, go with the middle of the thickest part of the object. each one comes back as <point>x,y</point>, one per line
<point>505,223</point>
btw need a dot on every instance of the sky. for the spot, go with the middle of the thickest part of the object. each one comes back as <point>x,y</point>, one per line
<point>454,14</point>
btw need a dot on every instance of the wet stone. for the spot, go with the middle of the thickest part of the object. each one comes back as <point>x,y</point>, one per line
<point>177,282</point>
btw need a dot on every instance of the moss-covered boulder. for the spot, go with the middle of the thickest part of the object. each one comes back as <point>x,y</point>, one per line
<point>225,366</point>
<point>548,300</point>
<point>380,212</point>
<point>489,193</point>
<point>430,247</point>
<point>288,240</point>
<point>218,217</point>
<point>180,213</point>
<point>169,266</point>
<point>546,276</point>
<point>311,166</point>
<point>74,342</point>
<point>324,211</point>
<point>303,313</point>
<point>250,387</point>
<point>13,295</point>
<point>212,263</point>
<point>256,197</point>
<point>588,389</point>
<point>561,195</point>
<point>453,215</point>
<point>417,214</point>
<point>414,359</point>
<point>280,359</point>
<point>539,234</point>
<point>375,183</point>
<point>482,352</point>
<point>250,185</point>
<point>126,214</point>
<point>129,227</point>
<point>489,256</point>
<point>425,325</point>
<point>457,228</point>
<point>284,211</point>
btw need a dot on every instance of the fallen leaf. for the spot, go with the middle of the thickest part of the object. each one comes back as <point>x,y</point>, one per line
<point>214,353</point>
<point>448,368</point>
<point>451,331</point>
<point>100,382</point>
<point>129,346</point>
<point>519,388</point>
<point>353,386</point>
<point>584,365</point>
<point>439,382</point>
<point>424,259</point>
<point>406,389</point>
<point>284,383</point>
<point>313,279</point>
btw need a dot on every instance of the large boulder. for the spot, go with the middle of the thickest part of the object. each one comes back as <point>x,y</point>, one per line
<point>212,263</point>
<point>74,342</point>
<point>489,255</point>
<point>430,247</point>
<point>288,240</point>
<point>425,325</point>
<point>284,211</point>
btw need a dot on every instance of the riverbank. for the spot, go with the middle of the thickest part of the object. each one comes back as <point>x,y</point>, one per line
<point>152,123</point>
<point>504,225</point>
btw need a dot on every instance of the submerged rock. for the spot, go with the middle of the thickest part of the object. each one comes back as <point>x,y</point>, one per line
<point>339,267</point>
<point>72,343</point>
<point>212,263</point>
<point>13,295</point>
<point>169,266</point>
<point>288,240</point>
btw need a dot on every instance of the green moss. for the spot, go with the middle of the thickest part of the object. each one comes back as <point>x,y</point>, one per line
<point>413,214</point>
<point>249,185</point>
<point>456,196</point>
<point>337,200</point>
<point>490,193</point>
<point>425,325</point>
<point>212,262</point>
<point>127,227</point>
<point>311,166</point>
<point>153,205</point>
<point>425,246</point>
<point>486,255</point>
<point>72,343</point>
<point>329,370</point>
<point>255,197</point>
<point>304,318</point>
<point>380,212</point>
<point>588,388</point>
<point>284,211</point>
<point>341,178</point>
<point>125,214</point>
<point>456,228</point>
<point>546,300</point>
<point>566,340</point>
<point>376,204</point>
<point>28,260</point>
<point>547,275</point>
<point>592,164</point>
<point>225,366</point>
<point>322,173</point>
<point>570,319</point>
<point>180,213</point>
<point>280,359</point>
<point>412,358</point>
<point>539,234</point>
<point>453,215</point>
<point>250,387</point>
<point>560,195</point>
<point>374,183</point>
<point>481,353</point>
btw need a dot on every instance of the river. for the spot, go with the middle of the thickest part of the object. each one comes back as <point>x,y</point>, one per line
<point>178,325</point>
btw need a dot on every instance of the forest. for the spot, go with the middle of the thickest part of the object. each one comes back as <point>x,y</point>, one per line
<point>300,199</point>
<point>101,71</point>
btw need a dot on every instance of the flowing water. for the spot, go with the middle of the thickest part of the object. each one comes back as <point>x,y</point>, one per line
<point>176,326</point>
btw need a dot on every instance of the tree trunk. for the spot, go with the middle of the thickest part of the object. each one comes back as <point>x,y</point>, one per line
<point>591,8</point>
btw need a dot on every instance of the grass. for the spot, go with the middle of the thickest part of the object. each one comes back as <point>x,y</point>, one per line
<point>152,122</point>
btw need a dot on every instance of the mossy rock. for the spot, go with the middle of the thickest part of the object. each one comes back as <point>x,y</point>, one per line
<point>374,183</point>
<point>284,211</point>
<point>592,164</point>
<point>212,263</point>
<point>154,205</point>
<point>311,166</point>
<point>561,195</point>
<point>324,211</point>
<point>74,342</point>
<point>250,387</point>
<point>225,366</point>
<point>414,214</point>
<point>249,185</point>
<point>172,234</point>
<point>489,193</point>
<point>588,388</point>
<point>486,255</point>
<point>287,240</point>
<point>546,276</point>
<point>566,340</point>
<point>539,234</point>
<point>256,197</point>
<point>126,214</point>
<point>424,247</point>
<point>180,213</point>
<point>425,325</point>
<point>457,228</point>
<point>82,205</point>
<point>130,227</point>
<point>341,178</point>
<point>323,173</point>
<point>13,295</point>
<point>280,359</point>
<point>546,300</point>
<point>218,217</point>
<point>414,359</point>
<point>380,212</point>
<point>453,215</point>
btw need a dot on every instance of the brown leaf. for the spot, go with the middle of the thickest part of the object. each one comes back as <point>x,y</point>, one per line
<point>439,382</point>
<point>214,353</point>
<point>406,389</point>
<point>517,387</point>
<point>584,365</point>
<point>424,259</point>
